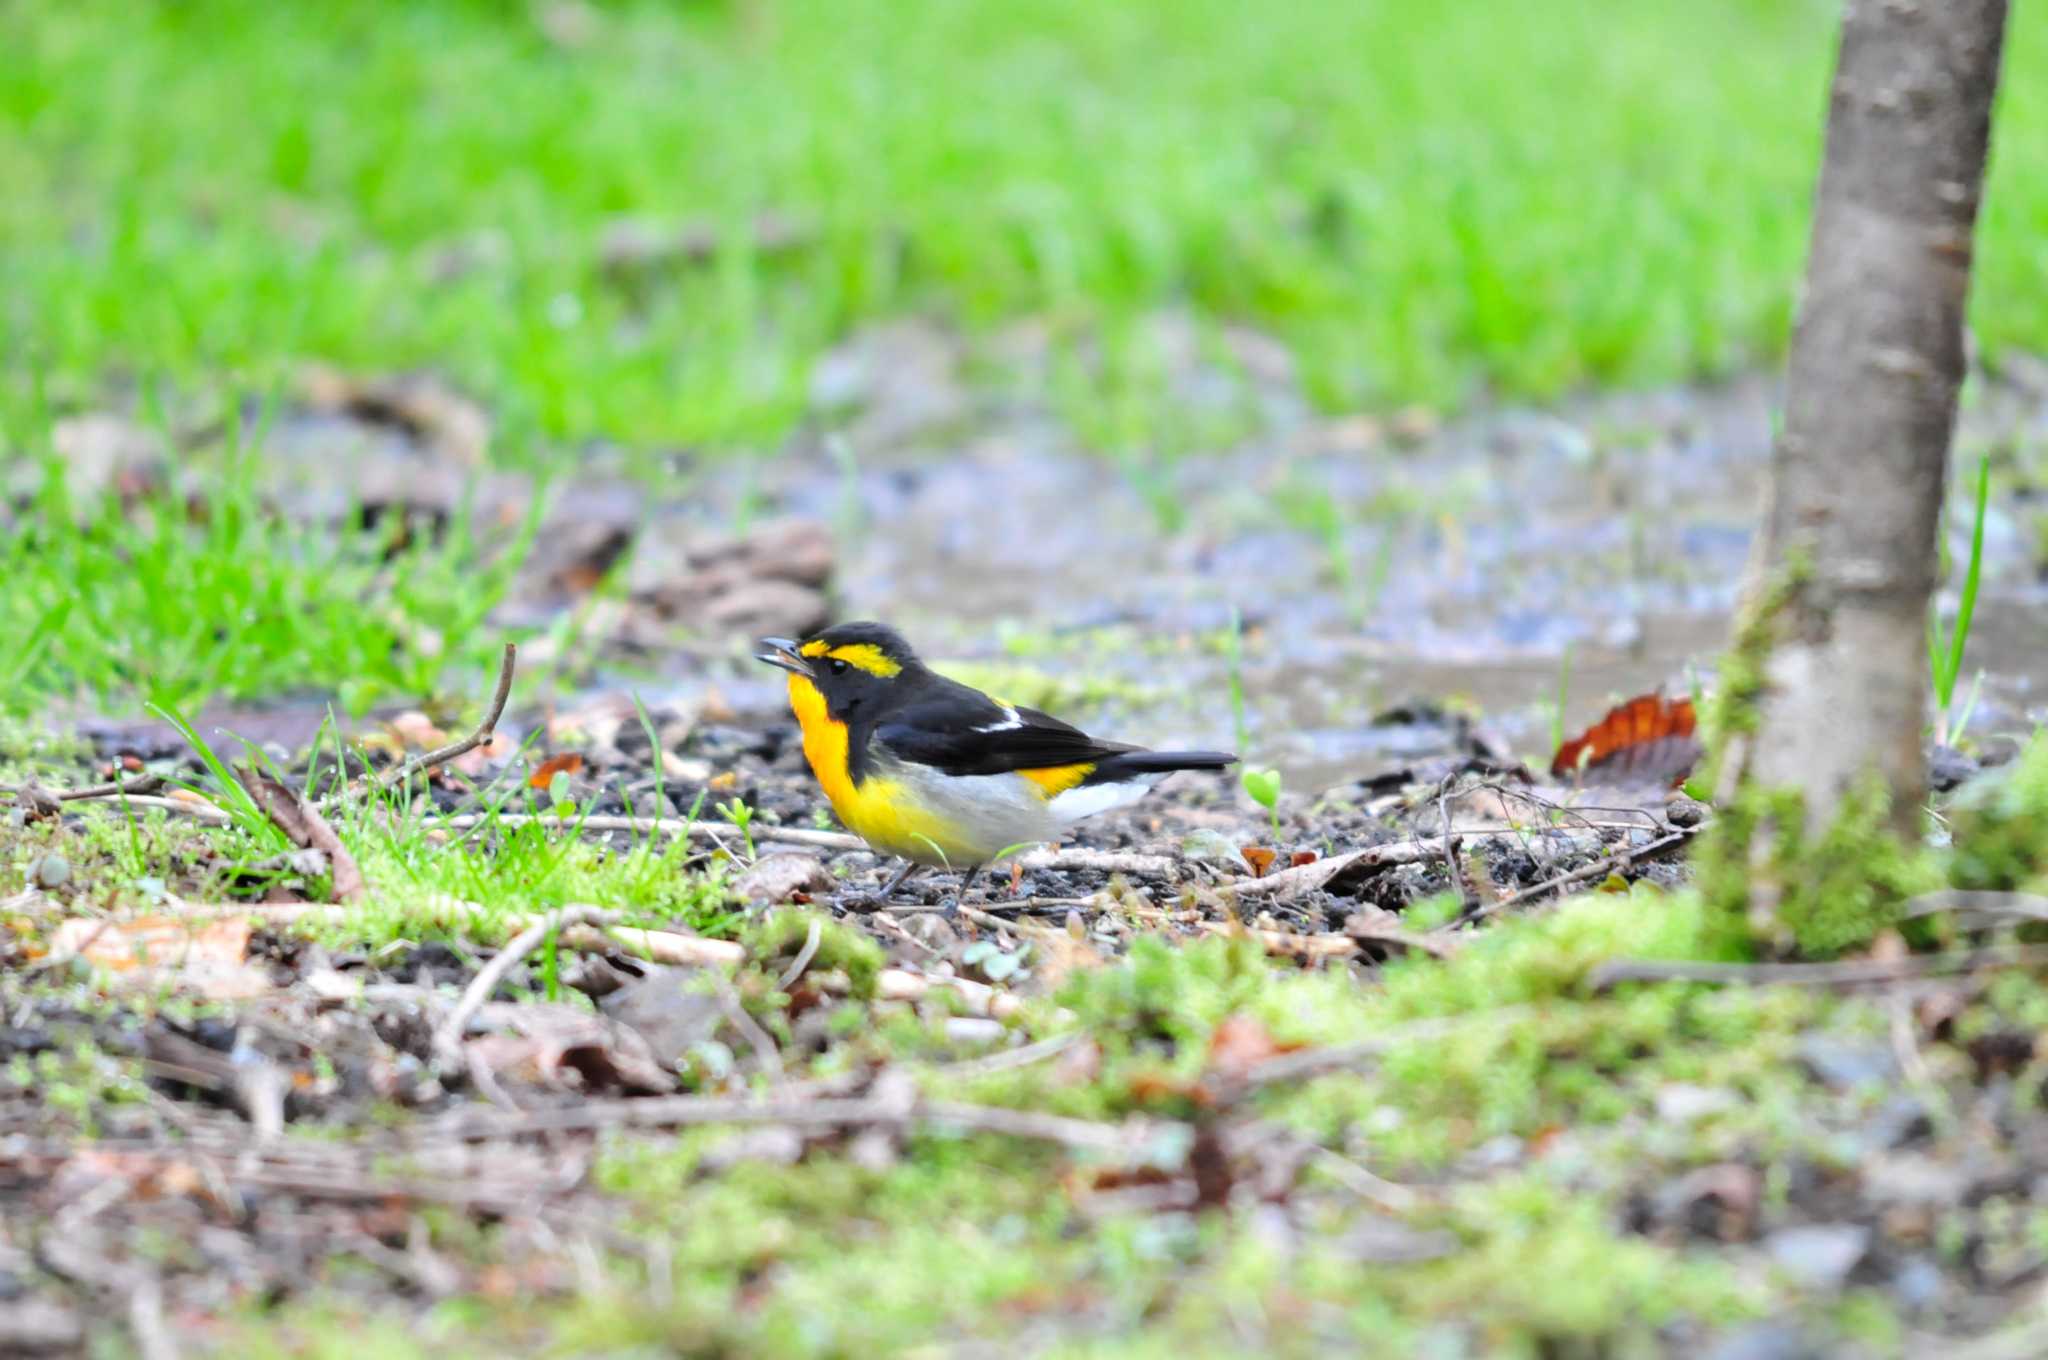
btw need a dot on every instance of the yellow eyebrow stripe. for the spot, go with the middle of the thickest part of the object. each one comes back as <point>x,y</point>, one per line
<point>811,649</point>
<point>862,656</point>
<point>1054,780</point>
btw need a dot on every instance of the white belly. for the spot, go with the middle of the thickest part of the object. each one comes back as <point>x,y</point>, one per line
<point>987,814</point>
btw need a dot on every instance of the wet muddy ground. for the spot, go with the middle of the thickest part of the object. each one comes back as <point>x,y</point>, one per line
<point>1483,568</point>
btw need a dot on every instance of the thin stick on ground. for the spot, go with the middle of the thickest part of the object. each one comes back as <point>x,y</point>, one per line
<point>448,1034</point>
<point>803,957</point>
<point>1316,1062</point>
<point>658,1112</point>
<point>667,826</point>
<point>1599,868</point>
<point>442,755</point>
<point>2007,906</point>
<point>1847,973</point>
<point>1467,897</point>
<point>43,802</point>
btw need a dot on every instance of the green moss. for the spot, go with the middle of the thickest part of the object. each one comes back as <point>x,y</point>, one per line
<point>1742,677</point>
<point>1764,878</point>
<point>1999,826</point>
<point>1823,894</point>
<point>777,938</point>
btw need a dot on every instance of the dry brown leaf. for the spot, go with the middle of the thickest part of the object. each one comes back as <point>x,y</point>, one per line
<point>1648,739</point>
<point>1241,1043</point>
<point>210,956</point>
<point>567,762</point>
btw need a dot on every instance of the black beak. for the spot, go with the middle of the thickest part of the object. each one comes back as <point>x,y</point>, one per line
<point>782,652</point>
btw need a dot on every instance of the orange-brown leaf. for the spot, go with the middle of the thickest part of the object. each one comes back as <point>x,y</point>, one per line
<point>210,957</point>
<point>1241,1043</point>
<point>568,762</point>
<point>1647,740</point>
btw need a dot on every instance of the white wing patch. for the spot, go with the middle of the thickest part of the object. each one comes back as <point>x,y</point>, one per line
<point>1092,799</point>
<point>1010,722</point>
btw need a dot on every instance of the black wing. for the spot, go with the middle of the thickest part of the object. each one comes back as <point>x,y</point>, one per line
<point>963,731</point>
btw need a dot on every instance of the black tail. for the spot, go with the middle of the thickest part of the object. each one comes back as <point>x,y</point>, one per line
<point>1127,763</point>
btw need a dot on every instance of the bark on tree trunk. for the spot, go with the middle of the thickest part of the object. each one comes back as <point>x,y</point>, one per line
<point>1858,473</point>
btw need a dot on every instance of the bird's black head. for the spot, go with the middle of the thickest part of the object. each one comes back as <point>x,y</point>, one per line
<point>856,668</point>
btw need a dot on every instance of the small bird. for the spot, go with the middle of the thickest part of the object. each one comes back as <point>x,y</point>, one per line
<point>938,773</point>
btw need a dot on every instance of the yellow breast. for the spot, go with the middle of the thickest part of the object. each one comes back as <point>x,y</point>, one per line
<point>875,809</point>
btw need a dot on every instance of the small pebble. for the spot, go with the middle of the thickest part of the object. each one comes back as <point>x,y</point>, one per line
<point>1819,1255</point>
<point>53,870</point>
<point>1685,812</point>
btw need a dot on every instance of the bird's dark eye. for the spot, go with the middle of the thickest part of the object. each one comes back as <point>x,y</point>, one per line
<point>838,666</point>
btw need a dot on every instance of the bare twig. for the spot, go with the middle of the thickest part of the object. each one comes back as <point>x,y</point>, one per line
<point>1101,861</point>
<point>1613,863</point>
<point>659,946</point>
<point>2009,906</point>
<point>757,1038</point>
<point>1009,1060</point>
<point>146,1319</point>
<point>1848,973</point>
<point>1309,877</point>
<point>800,1112</point>
<point>1467,898</point>
<point>43,802</point>
<point>202,812</point>
<point>442,755</point>
<point>448,1034</point>
<point>348,875</point>
<point>1287,943</point>
<point>1317,1062</point>
<point>803,957</point>
<point>666,826</point>
<point>302,823</point>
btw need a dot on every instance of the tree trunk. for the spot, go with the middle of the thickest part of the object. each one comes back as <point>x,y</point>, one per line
<point>1857,475</point>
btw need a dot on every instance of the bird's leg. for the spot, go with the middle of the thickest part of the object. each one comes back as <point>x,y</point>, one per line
<point>966,882</point>
<point>875,901</point>
<point>889,888</point>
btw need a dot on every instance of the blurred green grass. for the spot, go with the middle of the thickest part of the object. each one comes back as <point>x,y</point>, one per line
<point>1429,202</point>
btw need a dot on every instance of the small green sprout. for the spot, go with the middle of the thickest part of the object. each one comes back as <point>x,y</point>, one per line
<point>1945,655</point>
<point>1264,787</point>
<point>736,811</point>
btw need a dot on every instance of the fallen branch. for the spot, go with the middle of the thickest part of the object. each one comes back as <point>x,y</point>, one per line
<point>1848,973</point>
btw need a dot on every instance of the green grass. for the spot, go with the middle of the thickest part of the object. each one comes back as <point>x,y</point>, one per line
<point>117,603</point>
<point>1427,202</point>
